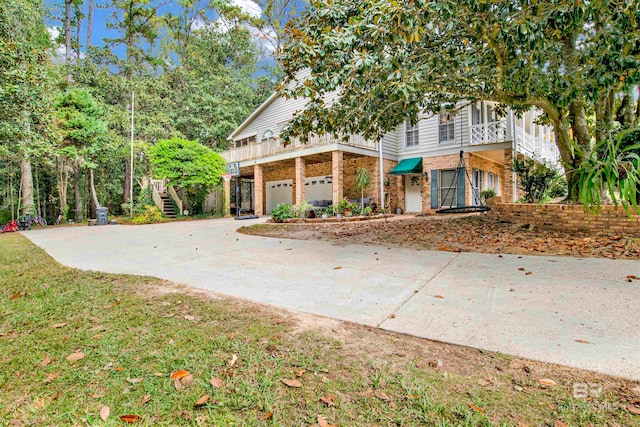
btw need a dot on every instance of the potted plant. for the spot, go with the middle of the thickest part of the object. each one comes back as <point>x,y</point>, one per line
<point>367,211</point>
<point>343,208</point>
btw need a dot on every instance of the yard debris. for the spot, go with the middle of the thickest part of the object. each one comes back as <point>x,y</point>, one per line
<point>583,341</point>
<point>328,400</point>
<point>546,382</point>
<point>131,418</point>
<point>475,408</point>
<point>104,413</point>
<point>179,374</point>
<point>76,356</point>
<point>292,383</point>
<point>216,382</point>
<point>202,401</point>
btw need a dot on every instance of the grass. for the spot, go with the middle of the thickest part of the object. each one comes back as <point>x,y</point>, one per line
<point>133,328</point>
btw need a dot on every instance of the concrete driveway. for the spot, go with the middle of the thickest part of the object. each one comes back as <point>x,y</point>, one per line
<point>477,300</point>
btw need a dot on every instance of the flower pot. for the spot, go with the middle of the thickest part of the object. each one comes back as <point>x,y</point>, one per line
<point>339,215</point>
<point>348,213</point>
<point>325,216</point>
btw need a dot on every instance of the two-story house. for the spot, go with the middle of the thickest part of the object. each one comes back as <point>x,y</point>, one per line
<point>418,163</point>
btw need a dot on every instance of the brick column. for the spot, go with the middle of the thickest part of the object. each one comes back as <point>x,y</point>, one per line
<point>301,167</point>
<point>507,185</point>
<point>258,190</point>
<point>337,164</point>
<point>226,207</point>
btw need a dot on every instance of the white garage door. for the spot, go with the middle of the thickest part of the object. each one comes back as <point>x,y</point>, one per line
<point>279,192</point>
<point>318,188</point>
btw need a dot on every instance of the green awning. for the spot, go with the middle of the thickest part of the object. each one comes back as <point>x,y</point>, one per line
<point>408,166</point>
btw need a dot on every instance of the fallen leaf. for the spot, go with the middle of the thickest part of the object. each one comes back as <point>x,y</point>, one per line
<point>438,296</point>
<point>189,317</point>
<point>119,368</point>
<point>528,273</point>
<point>187,381</point>
<point>484,382</point>
<point>131,418</point>
<point>322,422</point>
<point>58,325</point>
<point>179,374</point>
<point>382,396</point>
<point>177,384</point>
<point>476,408</point>
<point>292,383</point>
<point>300,372</point>
<point>233,360</point>
<point>216,382</point>
<point>583,341</point>
<point>46,361</point>
<point>268,415</point>
<point>134,380</point>
<point>96,328</point>
<point>50,377</point>
<point>104,413</point>
<point>633,409</point>
<point>337,268</point>
<point>328,400</point>
<point>413,396</point>
<point>410,239</point>
<point>547,382</point>
<point>204,399</point>
<point>145,399</point>
<point>158,374</point>
<point>76,356</point>
<point>16,295</point>
<point>558,423</point>
<point>521,269</point>
<point>631,276</point>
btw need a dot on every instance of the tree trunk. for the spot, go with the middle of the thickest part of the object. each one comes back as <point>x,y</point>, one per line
<point>89,28</point>
<point>94,196</point>
<point>26,182</point>
<point>63,179</point>
<point>76,191</point>
<point>67,36</point>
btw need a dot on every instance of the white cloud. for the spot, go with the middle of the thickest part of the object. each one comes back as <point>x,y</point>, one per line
<point>58,53</point>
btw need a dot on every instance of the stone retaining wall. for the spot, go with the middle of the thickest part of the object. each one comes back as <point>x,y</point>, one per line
<point>610,220</point>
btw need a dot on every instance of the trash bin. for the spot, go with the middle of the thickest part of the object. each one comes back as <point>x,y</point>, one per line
<point>103,216</point>
<point>398,211</point>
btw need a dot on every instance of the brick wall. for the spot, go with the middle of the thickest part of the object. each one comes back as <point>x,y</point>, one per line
<point>611,220</point>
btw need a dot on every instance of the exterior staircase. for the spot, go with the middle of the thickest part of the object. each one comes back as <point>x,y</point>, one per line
<point>169,210</point>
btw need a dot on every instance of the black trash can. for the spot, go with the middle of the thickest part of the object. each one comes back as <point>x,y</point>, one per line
<point>103,214</point>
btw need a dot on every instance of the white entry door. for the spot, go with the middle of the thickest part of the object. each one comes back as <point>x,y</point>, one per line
<point>413,193</point>
<point>279,192</point>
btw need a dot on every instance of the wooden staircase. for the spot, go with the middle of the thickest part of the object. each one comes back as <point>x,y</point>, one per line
<point>169,210</point>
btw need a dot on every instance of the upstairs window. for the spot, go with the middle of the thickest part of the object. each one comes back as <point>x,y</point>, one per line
<point>411,135</point>
<point>245,141</point>
<point>447,130</point>
<point>268,134</point>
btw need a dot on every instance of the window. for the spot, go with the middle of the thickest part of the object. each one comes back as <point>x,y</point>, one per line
<point>476,114</point>
<point>245,141</point>
<point>411,136</point>
<point>447,131</point>
<point>448,184</point>
<point>268,134</point>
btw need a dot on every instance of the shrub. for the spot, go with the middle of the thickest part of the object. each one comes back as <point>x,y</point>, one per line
<point>534,179</point>
<point>144,199</point>
<point>150,215</point>
<point>283,211</point>
<point>487,194</point>
<point>342,206</point>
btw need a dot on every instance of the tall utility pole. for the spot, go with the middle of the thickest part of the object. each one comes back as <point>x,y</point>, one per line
<point>133,99</point>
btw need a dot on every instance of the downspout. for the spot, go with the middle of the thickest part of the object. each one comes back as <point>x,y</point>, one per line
<point>514,151</point>
<point>381,172</point>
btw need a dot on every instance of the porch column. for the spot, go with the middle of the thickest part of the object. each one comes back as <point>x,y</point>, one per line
<point>258,190</point>
<point>336,171</point>
<point>301,167</point>
<point>226,206</point>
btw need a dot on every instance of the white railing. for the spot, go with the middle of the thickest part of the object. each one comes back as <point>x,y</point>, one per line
<point>489,133</point>
<point>276,146</point>
<point>155,185</point>
<point>540,149</point>
<point>160,185</point>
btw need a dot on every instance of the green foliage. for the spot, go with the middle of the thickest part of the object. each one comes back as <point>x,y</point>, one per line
<point>487,194</point>
<point>5,216</point>
<point>145,198</point>
<point>150,215</point>
<point>367,211</point>
<point>189,165</point>
<point>533,178</point>
<point>342,206</point>
<point>302,208</point>
<point>283,211</point>
<point>616,173</point>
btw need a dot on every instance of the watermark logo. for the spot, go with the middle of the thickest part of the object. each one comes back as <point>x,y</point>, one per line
<point>585,390</point>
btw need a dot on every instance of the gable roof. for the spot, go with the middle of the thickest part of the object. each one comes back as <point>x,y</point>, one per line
<point>253,115</point>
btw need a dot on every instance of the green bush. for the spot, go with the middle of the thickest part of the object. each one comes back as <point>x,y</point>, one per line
<point>5,216</point>
<point>144,199</point>
<point>150,215</point>
<point>342,206</point>
<point>534,178</point>
<point>487,194</point>
<point>283,211</point>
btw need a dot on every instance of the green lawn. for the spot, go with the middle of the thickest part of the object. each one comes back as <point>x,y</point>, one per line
<point>134,332</point>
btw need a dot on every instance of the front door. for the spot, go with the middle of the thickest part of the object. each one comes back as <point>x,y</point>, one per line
<point>477,186</point>
<point>412,193</point>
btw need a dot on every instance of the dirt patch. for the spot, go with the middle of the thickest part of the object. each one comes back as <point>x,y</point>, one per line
<point>474,233</point>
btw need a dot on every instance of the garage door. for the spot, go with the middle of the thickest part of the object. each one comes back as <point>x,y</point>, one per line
<point>318,188</point>
<point>279,192</point>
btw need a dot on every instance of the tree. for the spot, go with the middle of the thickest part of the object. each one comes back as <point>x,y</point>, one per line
<point>26,95</point>
<point>80,119</point>
<point>363,181</point>
<point>189,165</point>
<point>391,62</point>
